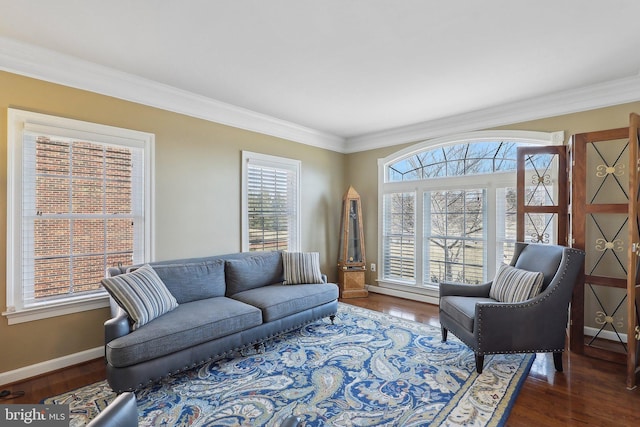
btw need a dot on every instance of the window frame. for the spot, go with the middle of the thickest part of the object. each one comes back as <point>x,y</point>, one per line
<point>487,194</point>
<point>276,162</point>
<point>19,121</point>
<point>418,288</point>
<point>387,205</point>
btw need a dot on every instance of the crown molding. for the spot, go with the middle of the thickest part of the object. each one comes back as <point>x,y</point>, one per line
<point>600,95</point>
<point>44,64</point>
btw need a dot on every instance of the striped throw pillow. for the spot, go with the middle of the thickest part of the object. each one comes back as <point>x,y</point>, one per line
<point>141,293</point>
<point>515,285</point>
<point>301,267</point>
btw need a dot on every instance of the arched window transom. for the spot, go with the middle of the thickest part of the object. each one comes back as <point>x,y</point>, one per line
<point>456,160</point>
<point>448,207</point>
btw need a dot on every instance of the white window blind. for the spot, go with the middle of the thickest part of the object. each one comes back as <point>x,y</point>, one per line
<point>79,214</point>
<point>399,237</point>
<point>271,203</point>
<point>506,223</point>
<point>80,198</point>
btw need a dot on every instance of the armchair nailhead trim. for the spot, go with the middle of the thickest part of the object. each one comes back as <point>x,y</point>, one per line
<point>546,350</point>
<point>534,302</point>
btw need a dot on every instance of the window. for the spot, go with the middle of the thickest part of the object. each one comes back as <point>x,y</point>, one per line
<point>399,239</point>
<point>448,209</point>
<point>80,195</point>
<point>454,235</point>
<point>270,203</point>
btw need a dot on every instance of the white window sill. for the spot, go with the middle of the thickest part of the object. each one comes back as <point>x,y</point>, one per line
<point>44,311</point>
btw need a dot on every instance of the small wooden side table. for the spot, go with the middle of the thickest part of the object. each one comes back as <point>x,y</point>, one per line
<point>351,283</point>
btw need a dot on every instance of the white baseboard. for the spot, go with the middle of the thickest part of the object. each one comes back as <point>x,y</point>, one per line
<point>50,365</point>
<point>606,334</point>
<point>403,294</point>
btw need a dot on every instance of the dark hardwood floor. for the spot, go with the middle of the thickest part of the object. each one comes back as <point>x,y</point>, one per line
<point>590,392</point>
<point>57,382</point>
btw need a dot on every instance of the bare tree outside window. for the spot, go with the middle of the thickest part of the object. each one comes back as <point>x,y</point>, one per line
<point>455,236</point>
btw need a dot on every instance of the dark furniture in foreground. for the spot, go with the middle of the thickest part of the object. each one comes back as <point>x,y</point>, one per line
<point>536,325</point>
<point>122,412</point>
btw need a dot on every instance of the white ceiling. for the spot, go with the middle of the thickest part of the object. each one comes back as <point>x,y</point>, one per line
<point>343,70</point>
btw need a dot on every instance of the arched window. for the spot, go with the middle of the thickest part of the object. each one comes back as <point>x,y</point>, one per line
<point>447,208</point>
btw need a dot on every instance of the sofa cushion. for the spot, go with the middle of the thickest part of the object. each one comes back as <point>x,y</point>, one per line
<point>515,285</point>
<point>142,294</point>
<point>189,324</point>
<point>462,309</point>
<point>193,281</point>
<point>278,301</point>
<point>261,269</point>
<point>301,267</point>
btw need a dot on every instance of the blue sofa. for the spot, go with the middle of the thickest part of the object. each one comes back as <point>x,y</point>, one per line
<point>225,303</point>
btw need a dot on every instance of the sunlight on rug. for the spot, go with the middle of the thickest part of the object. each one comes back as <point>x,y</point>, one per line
<point>368,369</point>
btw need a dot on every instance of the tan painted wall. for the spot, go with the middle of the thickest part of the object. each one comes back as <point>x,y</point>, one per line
<point>198,193</point>
<point>197,207</point>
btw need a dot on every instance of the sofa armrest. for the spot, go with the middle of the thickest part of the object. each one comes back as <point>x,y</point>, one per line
<point>122,412</point>
<point>538,323</point>
<point>464,290</point>
<point>117,326</point>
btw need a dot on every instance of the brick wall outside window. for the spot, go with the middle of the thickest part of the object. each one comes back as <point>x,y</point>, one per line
<point>84,220</point>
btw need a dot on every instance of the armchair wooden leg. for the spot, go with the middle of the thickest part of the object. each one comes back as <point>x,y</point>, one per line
<point>557,360</point>
<point>444,333</point>
<point>479,363</point>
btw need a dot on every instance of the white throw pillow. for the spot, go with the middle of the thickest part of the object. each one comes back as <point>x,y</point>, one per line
<point>141,293</point>
<point>301,267</point>
<point>515,285</point>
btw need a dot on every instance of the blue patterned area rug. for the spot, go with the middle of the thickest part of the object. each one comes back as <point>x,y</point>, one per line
<point>368,369</point>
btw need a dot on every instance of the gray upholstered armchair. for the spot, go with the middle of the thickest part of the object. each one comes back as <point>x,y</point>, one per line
<point>534,325</point>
